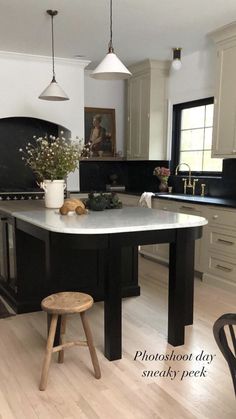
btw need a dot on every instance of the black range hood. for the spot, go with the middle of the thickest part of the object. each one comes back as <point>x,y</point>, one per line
<point>17,181</point>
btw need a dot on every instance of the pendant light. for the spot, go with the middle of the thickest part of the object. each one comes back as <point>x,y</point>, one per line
<point>176,63</point>
<point>53,91</point>
<point>111,68</point>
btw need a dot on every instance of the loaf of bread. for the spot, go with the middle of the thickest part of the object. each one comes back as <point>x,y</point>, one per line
<point>71,204</point>
<point>80,210</point>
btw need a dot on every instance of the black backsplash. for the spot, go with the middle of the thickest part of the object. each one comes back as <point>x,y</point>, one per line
<point>136,175</point>
<point>223,186</point>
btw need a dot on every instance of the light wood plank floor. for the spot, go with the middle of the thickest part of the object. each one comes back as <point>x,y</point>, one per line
<point>122,392</point>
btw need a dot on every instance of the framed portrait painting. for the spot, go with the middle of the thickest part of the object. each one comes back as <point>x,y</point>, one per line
<point>100,131</point>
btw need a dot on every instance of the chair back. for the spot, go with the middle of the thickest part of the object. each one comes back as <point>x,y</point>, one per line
<point>227,341</point>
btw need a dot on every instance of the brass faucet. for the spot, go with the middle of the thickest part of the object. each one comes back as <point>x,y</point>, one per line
<point>187,182</point>
<point>189,185</point>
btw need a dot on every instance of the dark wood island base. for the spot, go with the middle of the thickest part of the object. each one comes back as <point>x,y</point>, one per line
<point>97,255</point>
<point>42,262</point>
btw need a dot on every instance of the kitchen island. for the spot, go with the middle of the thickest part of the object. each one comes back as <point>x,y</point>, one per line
<point>44,239</point>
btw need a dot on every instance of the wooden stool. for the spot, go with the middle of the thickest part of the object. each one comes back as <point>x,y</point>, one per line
<point>64,303</point>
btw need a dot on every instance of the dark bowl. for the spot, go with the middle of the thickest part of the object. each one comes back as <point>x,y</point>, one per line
<point>97,205</point>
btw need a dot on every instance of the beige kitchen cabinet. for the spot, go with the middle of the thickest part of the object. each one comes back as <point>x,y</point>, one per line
<point>200,211</point>
<point>219,257</point>
<point>147,111</point>
<point>224,125</point>
<point>215,252</point>
<point>129,200</point>
<point>160,252</point>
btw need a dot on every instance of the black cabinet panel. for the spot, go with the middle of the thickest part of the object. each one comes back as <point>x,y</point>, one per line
<point>7,253</point>
<point>41,264</point>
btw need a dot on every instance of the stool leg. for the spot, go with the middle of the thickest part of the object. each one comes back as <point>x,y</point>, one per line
<point>48,353</point>
<point>92,350</point>
<point>63,331</point>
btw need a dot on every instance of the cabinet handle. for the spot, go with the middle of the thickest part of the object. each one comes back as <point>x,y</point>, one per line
<point>224,268</point>
<point>225,241</point>
<point>185,207</point>
<point>3,218</point>
<point>215,217</point>
<point>164,208</point>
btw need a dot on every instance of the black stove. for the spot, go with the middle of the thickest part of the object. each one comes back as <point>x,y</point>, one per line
<point>21,195</point>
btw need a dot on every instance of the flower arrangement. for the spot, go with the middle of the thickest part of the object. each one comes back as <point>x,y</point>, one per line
<point>53,157</point>
<point>162,173</point>
<point>85,149</point>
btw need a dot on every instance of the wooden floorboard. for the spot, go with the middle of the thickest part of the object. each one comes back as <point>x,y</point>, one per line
<point>122,392</point>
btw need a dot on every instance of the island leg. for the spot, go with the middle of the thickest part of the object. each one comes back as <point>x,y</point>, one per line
<point>181,277</point>
<point>113,306</point>
<point>189,282</point>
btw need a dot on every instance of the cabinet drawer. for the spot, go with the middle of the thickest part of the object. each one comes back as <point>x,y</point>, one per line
<point>224,218</point>
<point>164,205</point>
<point>189,209</point>
<point>129,200</point>
<point>222,267</point>
<point>222,241</point>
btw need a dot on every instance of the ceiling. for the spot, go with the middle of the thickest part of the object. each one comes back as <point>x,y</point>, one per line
<point>141,28</point>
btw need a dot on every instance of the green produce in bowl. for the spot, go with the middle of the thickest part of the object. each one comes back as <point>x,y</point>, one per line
<point>101,201</point>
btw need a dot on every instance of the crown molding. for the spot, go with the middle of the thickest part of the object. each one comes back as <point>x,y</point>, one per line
<point>147,65</point>
<point>224,33</point>
<point>43,58</point>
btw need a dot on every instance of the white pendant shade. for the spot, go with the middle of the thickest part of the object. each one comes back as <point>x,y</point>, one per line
<point>53,92</point>
<point>111,68</point>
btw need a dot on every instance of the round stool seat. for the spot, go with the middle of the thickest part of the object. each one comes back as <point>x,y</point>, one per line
<point>67,303</point>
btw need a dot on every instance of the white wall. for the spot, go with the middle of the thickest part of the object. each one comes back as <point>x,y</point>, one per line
<point>24,77</point>
<point>195,80</point>
<point>108,94</point>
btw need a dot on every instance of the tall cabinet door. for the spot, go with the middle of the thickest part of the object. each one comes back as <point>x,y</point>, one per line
<point>224,131</point>
<point>134,96</point>
<point>138,117</point>
<point>144,116</point>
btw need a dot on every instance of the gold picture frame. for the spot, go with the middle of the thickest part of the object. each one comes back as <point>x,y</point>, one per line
<point>100,131</point>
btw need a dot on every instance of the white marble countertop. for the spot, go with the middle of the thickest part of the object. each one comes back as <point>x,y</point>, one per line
<point>123,220</point>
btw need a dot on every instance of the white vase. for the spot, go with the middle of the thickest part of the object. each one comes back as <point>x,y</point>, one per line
<point>54,192</point>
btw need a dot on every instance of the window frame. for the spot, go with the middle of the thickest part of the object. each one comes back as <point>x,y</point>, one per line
<point>176,132</point>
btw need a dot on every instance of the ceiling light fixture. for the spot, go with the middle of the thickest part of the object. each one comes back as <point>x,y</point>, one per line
<point>176,63</point>
<point>53,91</point>
<point>111,68</point>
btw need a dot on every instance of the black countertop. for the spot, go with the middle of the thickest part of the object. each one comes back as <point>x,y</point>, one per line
<point>202,200</point>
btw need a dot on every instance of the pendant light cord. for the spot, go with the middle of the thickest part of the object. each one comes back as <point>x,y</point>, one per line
<point>53,64</point>
<point>111,49</point>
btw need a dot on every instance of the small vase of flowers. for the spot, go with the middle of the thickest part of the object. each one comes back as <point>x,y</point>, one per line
<point>52,159</point>
<point>162,173</point>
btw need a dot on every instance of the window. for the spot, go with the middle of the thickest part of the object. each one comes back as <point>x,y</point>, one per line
<point>192,136</point>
